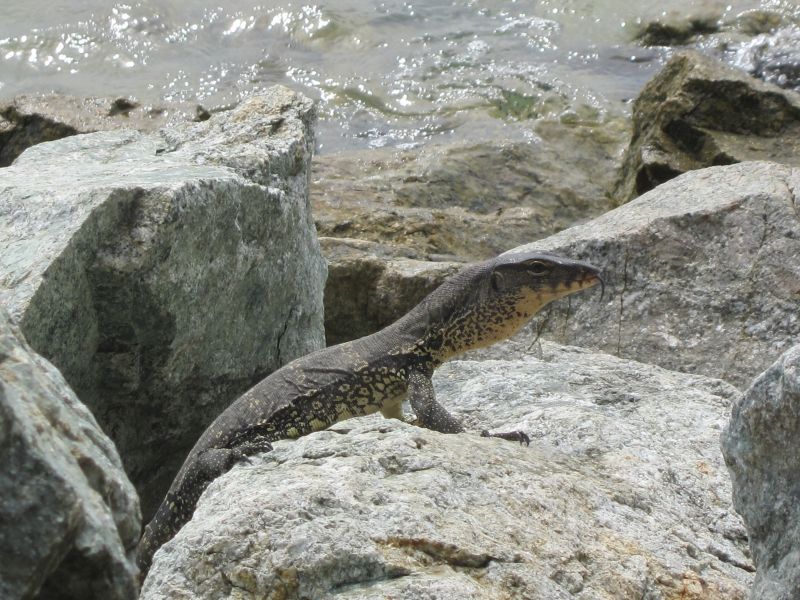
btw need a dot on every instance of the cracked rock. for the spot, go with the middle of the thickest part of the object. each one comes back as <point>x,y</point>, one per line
<point>165,274</point>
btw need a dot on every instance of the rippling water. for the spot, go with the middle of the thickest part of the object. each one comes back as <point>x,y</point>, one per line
<point>385,73</point>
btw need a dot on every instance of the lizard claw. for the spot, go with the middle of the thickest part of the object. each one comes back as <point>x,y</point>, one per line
<point>514,436</point>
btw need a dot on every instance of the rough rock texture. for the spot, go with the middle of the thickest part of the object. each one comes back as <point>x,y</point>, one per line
<point>702,273</point>
<point>698,112</point>
<point>69,517</point>
<point>164,275</point>
<point>371,285</point>
<point>29,120</point>
<point>623,494</point>
<point>471,201</point>
<point>761,449</point>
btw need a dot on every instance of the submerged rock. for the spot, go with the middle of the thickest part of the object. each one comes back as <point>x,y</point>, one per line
<point>702,273</point>
<point>69,517</point>
<point>698,112</point>
<point>622,494</point>
<point>166,274</point>
<point>761,449</point>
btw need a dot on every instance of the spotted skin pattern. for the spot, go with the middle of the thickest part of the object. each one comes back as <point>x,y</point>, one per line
<point>483,304</point>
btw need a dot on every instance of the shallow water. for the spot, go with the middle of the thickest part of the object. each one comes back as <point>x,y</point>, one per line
<point>385,73</point>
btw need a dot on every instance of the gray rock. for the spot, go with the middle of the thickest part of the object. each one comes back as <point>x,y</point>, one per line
<point>69,517</point>
<point>761,450</point>
<point>164,275</point>
<point>371,285</point>
<point>699,112</point>
<point>702,273</point>
<point>32,119</point>
<point>622,494</point>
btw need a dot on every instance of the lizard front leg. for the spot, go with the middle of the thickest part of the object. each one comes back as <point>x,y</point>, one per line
<point>434,416</point>
<point>430,414</point>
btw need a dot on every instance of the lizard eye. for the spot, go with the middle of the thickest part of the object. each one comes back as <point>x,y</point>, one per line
<point>537,267</point>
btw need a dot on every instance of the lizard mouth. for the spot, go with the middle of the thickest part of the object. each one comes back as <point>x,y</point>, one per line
<point>592,280</point>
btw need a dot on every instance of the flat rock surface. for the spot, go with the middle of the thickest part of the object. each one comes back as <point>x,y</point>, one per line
<point>702,273</point>
<point>760,446</point>
<point>623,493</point>
<point>69,516</point>
<point>166,274</point>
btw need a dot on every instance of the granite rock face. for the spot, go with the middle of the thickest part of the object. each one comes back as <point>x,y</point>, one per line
<point>761,450</point>
<point>702,273</point>
<point>623,494</point>
<point>165,274</point>
<point>69,516</point>
<point>699,112</point>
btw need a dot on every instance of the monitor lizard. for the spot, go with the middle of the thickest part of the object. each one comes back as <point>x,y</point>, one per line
<point>483,304</point>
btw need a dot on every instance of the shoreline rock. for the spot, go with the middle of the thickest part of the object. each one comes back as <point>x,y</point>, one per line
<point>166,274</point>
<point>698,112</point>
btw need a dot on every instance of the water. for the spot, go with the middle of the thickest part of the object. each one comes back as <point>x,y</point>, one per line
<point>393,73</point>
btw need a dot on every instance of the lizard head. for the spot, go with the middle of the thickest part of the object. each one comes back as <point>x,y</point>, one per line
<point>505,293</point>
<point>537,278</point>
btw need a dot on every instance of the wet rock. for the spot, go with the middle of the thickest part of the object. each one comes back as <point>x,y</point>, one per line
<point>29,120</point>
<point>702,273</point>
<point>622,494</point>
<point>166,274</point>
<point>773,57</point>
<point>760,447</point>
<point>69,515</point>
<point>677,30</point>
<point>698,112</point>
<point>371,285</point>
<point>471,201</point>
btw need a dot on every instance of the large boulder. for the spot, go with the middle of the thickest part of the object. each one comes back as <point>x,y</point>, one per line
<point>69,516</point>
<point>702,273</point>
<point>622,494</point>
<point>699,112</point>
<point>761,449</point>
<point>165,274</point>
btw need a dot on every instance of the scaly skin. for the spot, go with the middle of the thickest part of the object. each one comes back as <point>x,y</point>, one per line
<point>481,305</point>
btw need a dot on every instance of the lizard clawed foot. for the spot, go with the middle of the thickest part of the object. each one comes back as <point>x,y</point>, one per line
<point>514,436</point>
